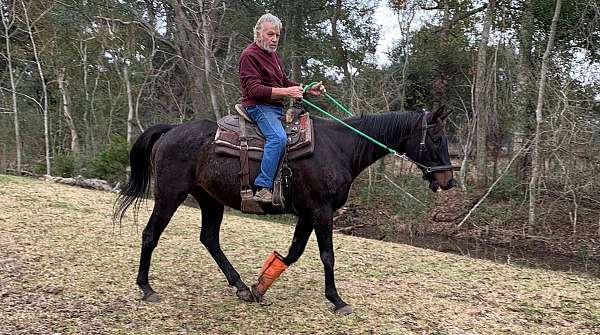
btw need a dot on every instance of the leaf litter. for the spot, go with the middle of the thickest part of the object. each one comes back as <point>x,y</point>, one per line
<point>65,269</point>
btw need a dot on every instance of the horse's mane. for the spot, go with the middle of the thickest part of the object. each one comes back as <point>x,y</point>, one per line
<point>390,125</point>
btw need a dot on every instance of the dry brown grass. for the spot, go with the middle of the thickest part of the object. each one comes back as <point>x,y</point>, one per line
<point>65,269</point>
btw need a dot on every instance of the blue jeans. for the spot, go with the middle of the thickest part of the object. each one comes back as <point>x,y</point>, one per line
<point>267,117</point>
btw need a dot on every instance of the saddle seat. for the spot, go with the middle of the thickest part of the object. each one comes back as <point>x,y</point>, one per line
<point>227,139</point>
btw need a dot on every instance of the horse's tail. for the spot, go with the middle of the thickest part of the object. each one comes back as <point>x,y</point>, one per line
<point>139,179</point>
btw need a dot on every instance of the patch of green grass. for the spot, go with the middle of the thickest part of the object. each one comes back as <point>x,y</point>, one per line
<point>595,320</point>
<point>5,179</point>
<point>531,311</point>
<point>63,205</point>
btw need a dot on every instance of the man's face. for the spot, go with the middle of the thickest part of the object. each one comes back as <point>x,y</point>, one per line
<point>268,37</point>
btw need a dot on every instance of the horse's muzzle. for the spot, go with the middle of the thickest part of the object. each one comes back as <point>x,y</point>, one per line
<point>451,183</point>
<point>434,185</point>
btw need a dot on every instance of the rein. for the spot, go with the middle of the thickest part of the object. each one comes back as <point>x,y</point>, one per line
<point>426,169</point>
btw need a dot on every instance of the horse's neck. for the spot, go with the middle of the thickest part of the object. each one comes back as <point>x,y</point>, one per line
<point>390,130</point>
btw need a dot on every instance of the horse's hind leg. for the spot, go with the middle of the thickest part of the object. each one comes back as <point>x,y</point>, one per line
<point>212,216</point>
<point>164,208</point>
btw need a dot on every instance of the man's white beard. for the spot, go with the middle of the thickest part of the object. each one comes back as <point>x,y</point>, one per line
<point>265,47</point>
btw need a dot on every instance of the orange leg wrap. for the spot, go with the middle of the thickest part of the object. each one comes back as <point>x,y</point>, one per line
<point>270,271</point>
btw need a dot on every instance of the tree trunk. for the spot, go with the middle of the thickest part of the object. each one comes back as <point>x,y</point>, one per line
<point>341,54</point>
<point>296,66</point>
<point>7,25</point>
<point>44,88</point>
<point>406,16</point>
<point>440,92</point>
<point>190,52</point>
<point>93,120</point>
<point>63,86</point>
<point>149,73</point>
<point>524,103</point>
<point>129,103</point>
<point>480,113</point>
<point>467,147</point>
<point>535,156</point>
<point>228,59</point>
<point>208,31</point>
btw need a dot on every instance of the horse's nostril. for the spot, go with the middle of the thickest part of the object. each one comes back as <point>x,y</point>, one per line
<point>448,184</point>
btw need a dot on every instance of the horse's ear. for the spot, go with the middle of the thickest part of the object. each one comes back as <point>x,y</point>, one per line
<point>441,113</point>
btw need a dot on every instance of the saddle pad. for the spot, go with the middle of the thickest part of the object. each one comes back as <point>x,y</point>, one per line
<point>300,138</point>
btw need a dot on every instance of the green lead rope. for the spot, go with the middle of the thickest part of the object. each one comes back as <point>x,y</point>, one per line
<point>426,169</point>
<point>309,86</point>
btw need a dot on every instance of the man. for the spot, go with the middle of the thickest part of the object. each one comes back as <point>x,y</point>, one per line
<point>264,85</point>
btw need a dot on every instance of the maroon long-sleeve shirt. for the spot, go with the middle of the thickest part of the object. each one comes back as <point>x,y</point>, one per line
<point>260,71</point>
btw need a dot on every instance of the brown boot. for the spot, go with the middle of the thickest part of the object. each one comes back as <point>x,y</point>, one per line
<point>263,195</point>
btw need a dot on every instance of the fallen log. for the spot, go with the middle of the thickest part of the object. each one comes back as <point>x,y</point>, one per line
<point>96,184</point>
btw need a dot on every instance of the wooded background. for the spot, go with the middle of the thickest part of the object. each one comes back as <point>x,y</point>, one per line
<point>80,79</point>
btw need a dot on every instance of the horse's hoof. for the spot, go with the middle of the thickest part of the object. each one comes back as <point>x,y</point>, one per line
<point>245,295</point>
<point>151,297</point>
<point>258,297</point>
<point>346,310</point>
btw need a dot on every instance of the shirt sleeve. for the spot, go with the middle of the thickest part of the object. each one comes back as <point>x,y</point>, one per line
<point>250,78</point>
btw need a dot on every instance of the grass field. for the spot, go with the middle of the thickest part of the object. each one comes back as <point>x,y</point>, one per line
<point>64,269</point>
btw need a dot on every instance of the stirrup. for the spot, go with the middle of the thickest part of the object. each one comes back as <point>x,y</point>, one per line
<point>249,204</point>
<point>242,112</point>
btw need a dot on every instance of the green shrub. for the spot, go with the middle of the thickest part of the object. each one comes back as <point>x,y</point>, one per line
<point>509,188</point>
<point>39,167</point>
<point>112,162</point>
<point>383,190</point>
<point>62,164</point>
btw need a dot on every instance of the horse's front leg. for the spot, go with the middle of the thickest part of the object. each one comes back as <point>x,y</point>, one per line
<point>323,230</point>
<point>271,270</point>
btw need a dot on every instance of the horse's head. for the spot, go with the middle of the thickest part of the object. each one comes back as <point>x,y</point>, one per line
<point>429,149</point>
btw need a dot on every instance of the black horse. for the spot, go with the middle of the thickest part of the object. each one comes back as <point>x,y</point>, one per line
<point>182,161</point>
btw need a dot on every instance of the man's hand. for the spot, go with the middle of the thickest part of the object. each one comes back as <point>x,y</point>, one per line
<point>282,92</point>
<point>318,89</point>
<point>294,92</point>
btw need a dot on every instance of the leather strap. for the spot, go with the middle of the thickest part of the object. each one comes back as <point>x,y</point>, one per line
<point>286,183</point>
<point>245,189</point>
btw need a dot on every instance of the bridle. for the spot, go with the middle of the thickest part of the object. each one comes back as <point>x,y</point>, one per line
<point>426,169</point>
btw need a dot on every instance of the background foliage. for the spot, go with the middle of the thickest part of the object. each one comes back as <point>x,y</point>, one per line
<point>106,70</point>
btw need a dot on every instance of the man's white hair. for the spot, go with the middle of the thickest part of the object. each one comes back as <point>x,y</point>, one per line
<point>268,17</point>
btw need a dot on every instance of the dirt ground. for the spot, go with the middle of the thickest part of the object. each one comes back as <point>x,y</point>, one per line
<point>65,269</point>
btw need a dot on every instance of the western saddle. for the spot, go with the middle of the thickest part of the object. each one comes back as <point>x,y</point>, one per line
<point>238,136</point>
